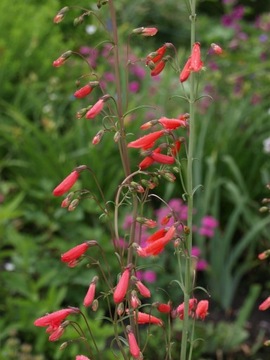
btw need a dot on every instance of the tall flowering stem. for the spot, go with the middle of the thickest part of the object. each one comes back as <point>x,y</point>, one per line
<point>189,187</point>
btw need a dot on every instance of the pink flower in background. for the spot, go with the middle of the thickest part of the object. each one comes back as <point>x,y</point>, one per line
<point>208,225</point>
<point>134,86</point>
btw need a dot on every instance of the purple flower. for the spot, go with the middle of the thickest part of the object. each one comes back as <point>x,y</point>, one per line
<point>209,221</point>
<point>134,86</point>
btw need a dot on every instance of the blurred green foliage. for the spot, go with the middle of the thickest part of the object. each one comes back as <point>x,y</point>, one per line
<point>41,142</point>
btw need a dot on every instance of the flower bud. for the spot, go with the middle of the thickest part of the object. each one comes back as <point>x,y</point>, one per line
<point>60,15</point>
<point>62,59</point>
<point>74,203</point>
<point>97,138</point>
<point>95,305</point>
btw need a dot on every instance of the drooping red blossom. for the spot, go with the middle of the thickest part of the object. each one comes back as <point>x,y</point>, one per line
<point>158,68</point>
<point>196,63</point>
<point>157,55</point>
<point>265,304</point>
<point>53,320</point>
<point>191,308</point>
<point>148,160</point>
<point>122,286</point>
<point>95,109</point>
<point>132,342</point>
<point>157,235</point>
<point>171,124</point>
<point>217,49</point>
<point>66,184</point>
<point>162,158</point>
<point>157,246</point>
<point>90,295</point>
<point>184,75</point>
<point>76,252</point>
<point>143,318</point>
<point>56,334</point>
<point>83,91</point>
<point>202,308</point>
<point>143,290</point>
<point>146,141</point>
<point>176,147</point>
<point>62,59</point>
<point>163,308</point>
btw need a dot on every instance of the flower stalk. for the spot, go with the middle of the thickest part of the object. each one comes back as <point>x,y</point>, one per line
<point>189,187</point>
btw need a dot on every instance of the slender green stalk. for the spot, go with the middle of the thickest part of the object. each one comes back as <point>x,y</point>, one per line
<point>191,142</point>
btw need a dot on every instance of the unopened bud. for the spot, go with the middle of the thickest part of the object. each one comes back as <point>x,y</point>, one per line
<point>147,222</point>
<point>266,343</point>
<point>95,305</point>
<point>66,202</point>
<point>81,113</point>
<point>168,176</point>
<point>264,209</point>
<point>97,138</point>
<point>116,136</point>
<point>137,187</point>
<point>101,3</point>
<point>264,255</point>
<point>63,345</point>
<point>78,20</point>
<point>120,309</point>
<point>265,201</point>
<point>74,203</point>
<point>60,15</point>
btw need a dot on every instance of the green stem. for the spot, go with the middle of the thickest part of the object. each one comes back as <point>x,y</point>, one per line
<point>122,140</point>
<point>188,274</point>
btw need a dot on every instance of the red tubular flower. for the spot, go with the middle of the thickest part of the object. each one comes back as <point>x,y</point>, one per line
<point>202,308</point>
<point>184,75</point>
<point>143,318</point>
<point>162,159</point>
<point>146,141</point>
<point>191,308</point>
<point>66,184</point>
<point>148,160</point>
<point>157,55</point>
<point>158,68</point>
<point>171,124</point>
<point>90,295</point>
<point>265,304</point>
<point>157,235</point>
<point>53,320</point>
<point>217,49</point>
<point>75,253</point>
<point>143,290</point>
<point>196,63</point>
<point>122,286</point>
<point>55,335</point>
<point>176,148</point>
<point>157,246</point>
<point>132,342</point>
<point>163,308</point>
<point>83,91</point>
<point>264,255</point>
<point>95,109</point>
